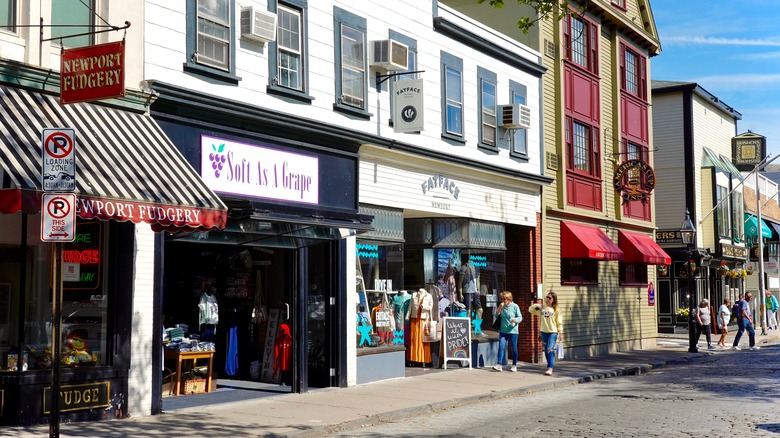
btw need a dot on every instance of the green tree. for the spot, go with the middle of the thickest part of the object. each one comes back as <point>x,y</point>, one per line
<point>544,9</point>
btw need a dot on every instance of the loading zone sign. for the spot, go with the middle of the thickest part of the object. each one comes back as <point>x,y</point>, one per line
<point>58,217</point>
<point>59,160</point>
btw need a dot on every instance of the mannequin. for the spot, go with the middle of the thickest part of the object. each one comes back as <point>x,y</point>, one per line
<point>419,312</point>
<point>468,288</point>
<point>401,308</point>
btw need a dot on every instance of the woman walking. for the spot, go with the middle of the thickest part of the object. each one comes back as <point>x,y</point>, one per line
<point>550,326</point>
<point>724,316</point>
<point>703,320</point>
<point>510,316</point>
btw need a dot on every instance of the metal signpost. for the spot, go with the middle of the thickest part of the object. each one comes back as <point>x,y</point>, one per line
<point>58,224</point>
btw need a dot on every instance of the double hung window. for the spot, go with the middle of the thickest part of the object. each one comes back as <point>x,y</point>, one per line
<point>452,97</point>
<point>351,66</point>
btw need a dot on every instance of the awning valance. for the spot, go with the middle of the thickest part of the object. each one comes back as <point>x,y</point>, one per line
<point>126,167</point>
<point>751,227</point>
<point>585,242</point>
<point>640,248</point>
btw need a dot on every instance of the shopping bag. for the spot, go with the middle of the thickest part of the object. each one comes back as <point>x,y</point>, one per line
<point>431,332</point>
<point>559,351</point>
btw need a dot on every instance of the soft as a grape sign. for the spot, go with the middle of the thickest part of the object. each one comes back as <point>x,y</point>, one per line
<point>259,172</point>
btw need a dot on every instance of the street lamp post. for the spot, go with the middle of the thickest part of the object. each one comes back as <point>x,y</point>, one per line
<point>688,234</point>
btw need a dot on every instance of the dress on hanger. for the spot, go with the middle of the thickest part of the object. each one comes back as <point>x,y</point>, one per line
<point>420,311</point>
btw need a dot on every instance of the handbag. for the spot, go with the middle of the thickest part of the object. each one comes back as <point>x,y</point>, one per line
<point>497,323</point>
<point>430,331</point>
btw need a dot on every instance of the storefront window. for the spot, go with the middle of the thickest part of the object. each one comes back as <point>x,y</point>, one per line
<point>381,306</point>
<point>26,289</point>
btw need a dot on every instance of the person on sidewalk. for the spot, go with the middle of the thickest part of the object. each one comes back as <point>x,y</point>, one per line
<point>703,320</point>
<point>510,316</point>
<point>771,310</point>
<point>724,316</point>
<point>746,323</point>
<point>550,326</point>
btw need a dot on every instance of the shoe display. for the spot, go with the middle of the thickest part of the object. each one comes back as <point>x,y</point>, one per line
<point>497,368</point>
<point>513,369</point>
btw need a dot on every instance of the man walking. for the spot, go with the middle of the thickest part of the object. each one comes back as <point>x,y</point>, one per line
<point>746,323</point>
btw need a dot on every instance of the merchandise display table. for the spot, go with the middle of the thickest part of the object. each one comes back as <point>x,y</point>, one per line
<point>181,356</point>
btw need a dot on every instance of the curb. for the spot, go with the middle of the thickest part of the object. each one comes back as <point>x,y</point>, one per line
<point>513,392</point>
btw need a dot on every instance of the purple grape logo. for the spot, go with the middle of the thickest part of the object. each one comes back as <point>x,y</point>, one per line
<point>217,158</point>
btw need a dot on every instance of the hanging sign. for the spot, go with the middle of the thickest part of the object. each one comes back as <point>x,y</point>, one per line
<point>748,150</point>
<point>92,73</point>
<point>408,109</point>
<point>634,180</point>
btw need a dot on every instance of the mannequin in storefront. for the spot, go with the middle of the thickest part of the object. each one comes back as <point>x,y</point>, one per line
<point>468,290</point>
<point>419,353</point>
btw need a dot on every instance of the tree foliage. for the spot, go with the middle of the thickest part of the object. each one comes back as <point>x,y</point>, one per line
<point>544,10</point>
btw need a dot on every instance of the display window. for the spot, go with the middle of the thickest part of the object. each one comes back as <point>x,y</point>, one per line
<point>26,296</point>
<point>383,303</point>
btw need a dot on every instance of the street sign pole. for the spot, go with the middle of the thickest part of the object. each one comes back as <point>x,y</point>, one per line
<point>58,224</point>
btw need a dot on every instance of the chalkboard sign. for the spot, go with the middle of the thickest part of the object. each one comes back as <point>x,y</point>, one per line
<point>456,339</point>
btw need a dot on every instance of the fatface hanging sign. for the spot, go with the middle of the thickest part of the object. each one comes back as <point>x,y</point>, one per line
<point>92,73</point>
<point>634,180</point>
<point>408,110</point>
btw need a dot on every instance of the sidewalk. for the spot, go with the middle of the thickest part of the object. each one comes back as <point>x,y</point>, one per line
<point>326,411</point>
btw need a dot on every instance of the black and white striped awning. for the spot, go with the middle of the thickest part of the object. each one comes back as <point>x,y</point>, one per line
<point>127,168</point>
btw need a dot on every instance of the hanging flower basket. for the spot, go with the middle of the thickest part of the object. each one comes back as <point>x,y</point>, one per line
<point>749,270</point>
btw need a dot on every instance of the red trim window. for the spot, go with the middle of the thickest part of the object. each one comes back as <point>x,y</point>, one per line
<point>580,38</point>
<point>579,271</point>
<point>620,4</point>
<point>582,148</point>
<point>633,72</point>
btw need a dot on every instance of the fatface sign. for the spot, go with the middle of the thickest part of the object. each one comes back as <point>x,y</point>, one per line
<point>408,110</point>
<point>634,180</point>
<point>92,73</point>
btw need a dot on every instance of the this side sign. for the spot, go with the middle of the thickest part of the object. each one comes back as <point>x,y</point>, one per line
<point>58,217</point>
<point>59,160</point>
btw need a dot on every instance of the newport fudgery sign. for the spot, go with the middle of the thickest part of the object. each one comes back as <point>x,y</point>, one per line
<point>79,397</point>
<point>634,180</point>
<point>92,73</point>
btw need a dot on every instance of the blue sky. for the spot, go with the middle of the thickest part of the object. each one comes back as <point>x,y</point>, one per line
<point>729,47</point>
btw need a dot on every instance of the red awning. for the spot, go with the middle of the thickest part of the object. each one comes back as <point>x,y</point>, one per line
<point>641,248</point>
<point>586,242</point>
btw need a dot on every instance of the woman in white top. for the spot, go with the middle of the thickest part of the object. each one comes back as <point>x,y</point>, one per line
<point>724,316</point>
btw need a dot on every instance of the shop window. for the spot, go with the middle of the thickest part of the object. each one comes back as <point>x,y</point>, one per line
<point>8,15</point>
<point>452,100</point>
<point>289,66</point>
<point>380,280</point>
<point>487,108</point>
<point>71,18</point>
<point>351,65</point>
<point>86,300</point>
<point>211,48</point>
<point>633,273</point>
<point>579,271</point>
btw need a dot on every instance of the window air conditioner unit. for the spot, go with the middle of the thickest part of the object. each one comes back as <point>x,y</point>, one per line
<point>258,25</point>
<point>389,55</point>
<point>515,116</point>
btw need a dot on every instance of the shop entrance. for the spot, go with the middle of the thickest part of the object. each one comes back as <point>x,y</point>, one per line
<point>273,327</point>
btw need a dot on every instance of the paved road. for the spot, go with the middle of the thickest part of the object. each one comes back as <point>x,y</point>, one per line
<point>726,394</point>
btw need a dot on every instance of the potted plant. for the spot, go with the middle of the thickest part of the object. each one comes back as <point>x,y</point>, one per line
<point>723,268</point>
<point>749,270</point>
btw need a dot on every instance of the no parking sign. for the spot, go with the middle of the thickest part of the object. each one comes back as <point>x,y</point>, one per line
<point>58,217</point>
<point>58,171</point>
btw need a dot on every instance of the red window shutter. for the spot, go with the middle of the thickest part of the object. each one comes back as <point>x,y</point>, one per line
<point>594,48</point>
<point>596,154</point>
<point>642,77</point>
<point>569,145</point>
<point>567,37</point>
<point>622,66</point>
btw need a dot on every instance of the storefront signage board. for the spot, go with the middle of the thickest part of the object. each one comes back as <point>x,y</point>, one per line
<point>258,172</point>
<point>408,109</point>
<point>456,340</point>
<point>58,217</point>
<point>78,397</point>
<point>92,73</point>
<point>58,170</point>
